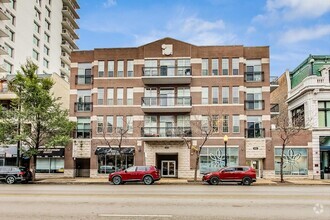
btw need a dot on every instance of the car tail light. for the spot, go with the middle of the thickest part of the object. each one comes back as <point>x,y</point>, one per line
<point>21,173</point>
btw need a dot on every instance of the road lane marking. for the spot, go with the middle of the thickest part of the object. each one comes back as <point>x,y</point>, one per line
<point>119,215</point>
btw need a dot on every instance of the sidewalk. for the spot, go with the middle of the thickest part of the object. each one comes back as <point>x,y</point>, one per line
<point>175,181</point>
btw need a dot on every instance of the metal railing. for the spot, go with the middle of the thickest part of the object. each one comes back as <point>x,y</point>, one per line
<point>167,71</point>
<point>254,76</point>
<point>82,133</point>
<point>84,79</point>
<point>274,108</point>
<point>254,104</point>
<point>254,132</point>
<point>83,106</point>
<point>166,101</point>
<point>273,80</point>
<point>166,132</point>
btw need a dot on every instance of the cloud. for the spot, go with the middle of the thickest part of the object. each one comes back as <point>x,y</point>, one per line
<point>109,3</point>
<point>251,30</point>
<point>304,34</point>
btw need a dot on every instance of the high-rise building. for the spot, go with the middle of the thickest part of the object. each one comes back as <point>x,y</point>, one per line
<point>160,94</point>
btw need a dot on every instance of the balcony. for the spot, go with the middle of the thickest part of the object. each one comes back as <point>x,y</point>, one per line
<point>273,83</point>
<point>71,14</point>
<point>82,134</point>
<point>5,1</point>
<point>68,37</point>
<point>166,104</point>
<point>65,58</point>
<point>3,50</point>
<point>255,133</point>
<point>254,76</point>
<point>66,24</point>
<point>254,104</point>
<point>84,79</point>
<point>72,4</point>
<point>66,47</point>
<point>2,69</point>
<point>65,71</point>
<point>3,14</point>
<point>3,32</point>
<point>165,133</point>
<point>6,95</point>
<point>274,109</point>
<point>83,106</point>
<point>166,75</point>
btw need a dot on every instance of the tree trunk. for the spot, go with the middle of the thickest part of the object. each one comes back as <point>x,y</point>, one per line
<point>282,162</point>
<point>33,166</point>
<point>196,165</point>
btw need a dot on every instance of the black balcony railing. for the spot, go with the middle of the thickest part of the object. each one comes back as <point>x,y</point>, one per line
<point>254,104</point>
<point>166,101</point>
<point>274,80</point>
<point>83,106</point>
<point>254,76</point>
<point>166,132</point>
<point>82,133</point>
<point>167,71</point>
<point>254,132</point>
<point>84,79</point>
<point>274,108</point>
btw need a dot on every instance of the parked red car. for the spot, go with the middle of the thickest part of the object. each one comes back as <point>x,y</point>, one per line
<point>241,174</point>
<point>146,174</point>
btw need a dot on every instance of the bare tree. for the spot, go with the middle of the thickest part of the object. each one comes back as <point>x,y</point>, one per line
<point>286,130</point>
<point>205,128</point>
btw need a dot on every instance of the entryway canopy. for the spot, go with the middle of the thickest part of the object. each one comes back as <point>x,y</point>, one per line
<point>114,151</point>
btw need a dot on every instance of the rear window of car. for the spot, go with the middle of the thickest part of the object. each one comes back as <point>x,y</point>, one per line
<point>239,169</point>
<point>142,168</point>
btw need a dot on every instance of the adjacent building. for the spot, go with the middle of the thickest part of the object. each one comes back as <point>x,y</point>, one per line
<point>158,93</point>
<point>305,92</point>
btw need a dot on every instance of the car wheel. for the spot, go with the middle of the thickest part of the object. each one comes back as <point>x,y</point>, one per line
<point>148,180</point>
<point>214,180</point>
<point>247,181</point>
<point>116,180</point>
<point>10,180</point>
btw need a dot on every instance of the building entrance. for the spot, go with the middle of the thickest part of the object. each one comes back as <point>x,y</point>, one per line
<point>168,164</point>
<point>82,167</point>
<point>257,165</point>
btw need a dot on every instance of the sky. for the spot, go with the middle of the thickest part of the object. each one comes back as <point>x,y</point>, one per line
<point>292,28</point>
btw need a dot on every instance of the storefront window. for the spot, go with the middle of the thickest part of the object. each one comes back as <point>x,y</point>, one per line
<point>50,165</point>
<point>111,161</point>
<point>295,161</point>
<point>213,158</point>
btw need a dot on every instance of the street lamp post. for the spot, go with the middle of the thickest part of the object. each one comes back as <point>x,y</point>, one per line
<point>225,139</point>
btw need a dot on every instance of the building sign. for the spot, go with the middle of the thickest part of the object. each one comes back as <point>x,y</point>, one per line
<point>51,152</point>
<point>82,149</point>
<point>255,148</point>
<point>167,49</point>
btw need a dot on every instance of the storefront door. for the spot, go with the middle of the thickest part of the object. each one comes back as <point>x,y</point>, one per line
<point>256,164</point>
<point>168,168</point>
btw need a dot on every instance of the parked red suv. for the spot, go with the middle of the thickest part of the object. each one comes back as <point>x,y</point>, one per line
<point>146,174</point>
<point>240,174</point>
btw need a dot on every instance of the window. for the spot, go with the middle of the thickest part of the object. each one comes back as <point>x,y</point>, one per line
<point>215,95</point>
<point>36,41</point>
<point>130,68</point>
<point>109,124</point>
<point>111,162</point>
<point>129,124</point>
<point>38,2</point>
<point>9,50</point>
<point>111,66</point>
<point>37,14</point>
<point>324,114</point>
<point>12,18</point>
<point>8,67</point>
<point>205,95</point>
<point>47,25</point>
<point>235,94</point>
<point>35,55</point>
<point>100,96</point>
<point>11,34</point>
<point>120,123</point>
<point>254,127</point>
<point>254,99</point>
<point>110,96</point>
<point>253,71</point>
<point>120,96</point>
<point>215,67</point>
<point>298,116</point>
<point>46,50</point>
<point>225,123</point>
<point>205,67</point>
<point>205,123</point>
<point>48,12</point>
<point>184,96</point>
<point>99,124</point>
<point>84,101</point>
<point>225,66</point>
<point>215,123</point>
<point>101,69</point>
<point>235,66</point>
<point>36,27</point>
<point>84,73</point>
<point>184,68</point>
<point>150,126</point>
<point>50,165</point>
<point>46,63</point>
<point>183,122</point>
<point>225,95</point>
<point>150,97</point>
<point>83,127</point>
<point>129,96</point>
<point>49,2</point>
<point>236,123</point>
<point>150,68</point>
<point>295,161</point>
<point>47,38</point>
<point>13,4</point>
<point>120,68</point>
<point>213,158</point>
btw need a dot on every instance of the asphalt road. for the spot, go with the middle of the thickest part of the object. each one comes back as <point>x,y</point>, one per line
<point>163,202</point>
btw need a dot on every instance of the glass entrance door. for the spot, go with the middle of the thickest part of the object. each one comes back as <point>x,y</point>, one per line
<point>168,168</point>
<point>257,166</point>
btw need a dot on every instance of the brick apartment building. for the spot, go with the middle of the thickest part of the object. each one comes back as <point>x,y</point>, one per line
<point>158,91</point>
